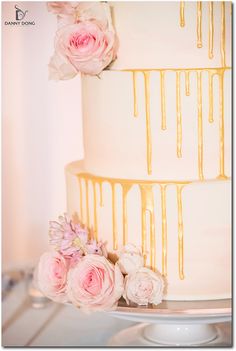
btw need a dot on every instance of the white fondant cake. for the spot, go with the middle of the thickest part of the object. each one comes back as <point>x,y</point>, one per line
<point>157,144</point>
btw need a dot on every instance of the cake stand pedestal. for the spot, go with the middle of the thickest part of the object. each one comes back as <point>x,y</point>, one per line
<point>175,323</point>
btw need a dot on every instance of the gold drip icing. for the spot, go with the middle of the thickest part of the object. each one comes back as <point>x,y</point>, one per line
<point>180,232</point>
<point>142,70</point>
<point>179,116</point>
<point>221,124</point>
<point>114,222</point>
<point>100,193</point>
<point>148,239</point>
<point>187,72</point>
<point>135,93</point>
<point>148,207</point>
<point>95,229</point>
<point>148,125</point>
<point>81,201</point>
<point>222,38</point>
<point>210,83</point>
<point>199,24</point>
<point>163,101</point>
<point>164,230</point>
<point>211,29</point>
<point>187,84</point>
<point>200,131</point>
<point>125,190</point>
<point>182,19</point>
<point>87,203</point>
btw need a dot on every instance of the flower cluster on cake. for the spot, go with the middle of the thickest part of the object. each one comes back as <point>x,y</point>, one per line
<point>79,270</point>
<point>85,40</point>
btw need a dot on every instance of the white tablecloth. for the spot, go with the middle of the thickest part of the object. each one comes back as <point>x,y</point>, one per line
<point>54,325</point>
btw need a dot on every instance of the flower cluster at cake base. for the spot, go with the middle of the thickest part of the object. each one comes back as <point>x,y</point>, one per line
<point>85,40</point>
<point>78,270</point>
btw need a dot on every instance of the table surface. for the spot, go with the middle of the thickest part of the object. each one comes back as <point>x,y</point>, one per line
<point>55,324</point>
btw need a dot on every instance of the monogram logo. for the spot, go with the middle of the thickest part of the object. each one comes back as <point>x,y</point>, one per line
<point>20,15</point>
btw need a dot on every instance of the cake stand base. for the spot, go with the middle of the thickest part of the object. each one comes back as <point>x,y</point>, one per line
<point>183,335</point>
<point>176,323</point>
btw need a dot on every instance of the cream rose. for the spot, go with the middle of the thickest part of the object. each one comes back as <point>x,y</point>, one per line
<point>51,276</point>
<point>130,259</point>
<point>143,287</point>
<point>88,46</point>
<point>95,284</point>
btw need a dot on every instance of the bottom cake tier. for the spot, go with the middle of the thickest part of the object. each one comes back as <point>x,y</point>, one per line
<point>183,228</point>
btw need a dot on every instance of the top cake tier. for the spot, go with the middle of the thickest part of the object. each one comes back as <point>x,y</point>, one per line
<point>172,72</point>
<point>172,34</point>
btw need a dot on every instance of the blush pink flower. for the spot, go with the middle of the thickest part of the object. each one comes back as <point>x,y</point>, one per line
<point>72,12</point>
<point>51,276</point>
<point>143,287</point>
<point>95,284</point>
<point>130,259</point>
<point>98,248</point>
<point>88,46</point>
<point>62,7</point>
<point>67,237</point>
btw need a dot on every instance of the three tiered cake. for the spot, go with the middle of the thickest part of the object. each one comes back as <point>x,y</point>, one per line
<point>156,171</point>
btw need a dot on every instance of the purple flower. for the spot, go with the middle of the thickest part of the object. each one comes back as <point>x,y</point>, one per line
<point>68,237</point>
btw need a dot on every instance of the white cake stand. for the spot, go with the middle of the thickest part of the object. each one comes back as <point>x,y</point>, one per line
<point>175,323</point>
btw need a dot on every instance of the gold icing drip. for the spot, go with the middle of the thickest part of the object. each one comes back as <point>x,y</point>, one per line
<point>164,230</point>
<point>95,210</point>
<point>180,232</point>
<point>199,24</point>
<point>221,125</point>
<point>148,125</point>
<point>87,203</point>
<point>210,82</point>
<point>135,93</point>
<point>163,100</point>
<point>100,193</point>
<point>179,116</point>
<point>211,29</point>
<point>125,190</point>
<point>187,83</point>
<point>200,132</point>
<point>182,19</point>
<point>81,201</point>
<point>222,38</point>
<point>148,206</point>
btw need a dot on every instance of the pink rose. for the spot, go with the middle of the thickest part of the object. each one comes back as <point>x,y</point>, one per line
<point>143,287</point>
<point>88,46</point>
<point>130,259</point>
<point>51,276</point>
<point>95,284</point>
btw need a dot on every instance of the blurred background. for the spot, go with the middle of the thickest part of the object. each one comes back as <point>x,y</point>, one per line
<point>41,131</point>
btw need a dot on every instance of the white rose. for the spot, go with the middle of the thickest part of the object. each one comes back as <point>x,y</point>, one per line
<point>143,287</point>
<point>130,259</point>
